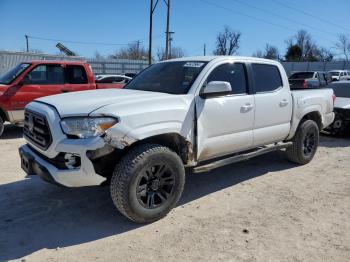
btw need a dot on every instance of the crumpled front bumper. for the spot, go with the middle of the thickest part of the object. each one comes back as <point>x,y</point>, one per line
<point>82,176</point>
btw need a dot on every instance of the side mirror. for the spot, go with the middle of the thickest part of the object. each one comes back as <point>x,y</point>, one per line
<point>25,81</point>
<point>215,89</point>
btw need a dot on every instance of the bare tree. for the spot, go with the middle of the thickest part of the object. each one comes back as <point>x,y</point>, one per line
<point>259,54</point>
<point>98,56</point>
<point>343,46</point>
<point>301,47</point>
<point>270,52</point>
<point>133,51</point>
<point>293,54</point>
<point>175,53</point>
<point>227,42</point>
<point>324,54</point>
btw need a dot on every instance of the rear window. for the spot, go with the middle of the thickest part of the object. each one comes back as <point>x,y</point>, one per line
<point>341,89</point>
<point>76,75</point>
<point>334,73</point>
<point>302,75</point>
<point>267,78</point>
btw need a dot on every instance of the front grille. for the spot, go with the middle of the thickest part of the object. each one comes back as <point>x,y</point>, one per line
<point>36,129</point>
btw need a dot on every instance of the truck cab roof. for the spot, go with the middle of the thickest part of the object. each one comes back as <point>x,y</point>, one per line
<point>65,62</point>
<point>222,57</point>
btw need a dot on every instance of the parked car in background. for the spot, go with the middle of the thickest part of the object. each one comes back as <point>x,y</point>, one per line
<point>30,80</point>
<point>132,75</point>
<point>338,75</point>
<point>309,79</point>
<point>199,112</point>
<point>107,79</point>
<point>341,124</point>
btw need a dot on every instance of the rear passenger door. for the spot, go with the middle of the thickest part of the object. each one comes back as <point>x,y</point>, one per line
<point>76,79</point>
<point>225,123</point>
<point>273,102</point>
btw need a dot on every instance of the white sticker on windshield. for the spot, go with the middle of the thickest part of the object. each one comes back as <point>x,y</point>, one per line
<point>193,64</point>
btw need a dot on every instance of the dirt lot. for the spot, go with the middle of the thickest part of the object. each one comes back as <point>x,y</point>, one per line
<point>265,209</point>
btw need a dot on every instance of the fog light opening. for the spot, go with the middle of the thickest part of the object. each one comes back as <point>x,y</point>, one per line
<point>72,161</point>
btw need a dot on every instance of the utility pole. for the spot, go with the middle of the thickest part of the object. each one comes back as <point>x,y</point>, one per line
<point>150,34</point>
<point>204,50</point>
<point>167,39</point>
<point>151,11</point>
<point>170,40</point>
<point>138,55</point>
<point>26,36</point>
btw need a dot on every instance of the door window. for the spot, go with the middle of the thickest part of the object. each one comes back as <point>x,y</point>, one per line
<point>235,74</point>
<point>46,75</point>
<point>267,78</point>
<point>76,75</point>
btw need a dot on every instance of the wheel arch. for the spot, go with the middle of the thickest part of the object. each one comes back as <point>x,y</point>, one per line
<point>315,116</point>
<point>174,141</point>
<point>3,114</point>
<point>312,114</point>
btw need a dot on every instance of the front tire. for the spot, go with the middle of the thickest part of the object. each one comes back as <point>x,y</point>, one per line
<point>147,183</point>
<point>2,126</point>
<point>305,143</point>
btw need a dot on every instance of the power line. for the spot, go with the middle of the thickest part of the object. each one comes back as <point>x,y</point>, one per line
<point>86,43</point>
<point>283,17</point>
<point>311,15</point>
<point>243,14</point>
<point>254,17</point>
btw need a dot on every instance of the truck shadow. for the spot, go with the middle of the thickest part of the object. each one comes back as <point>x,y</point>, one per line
<point>12,132</point>
<point>35,215</point>
<point>331,141</point>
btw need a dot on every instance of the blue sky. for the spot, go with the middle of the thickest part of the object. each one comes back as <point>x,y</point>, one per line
<point>195,22</point>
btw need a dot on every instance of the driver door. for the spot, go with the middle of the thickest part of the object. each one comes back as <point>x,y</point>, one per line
<point>225,123</point>
<point>43,80</point>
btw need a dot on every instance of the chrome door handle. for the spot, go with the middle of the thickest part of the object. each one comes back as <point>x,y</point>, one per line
<point>247,107</point>
<point>284,102</point>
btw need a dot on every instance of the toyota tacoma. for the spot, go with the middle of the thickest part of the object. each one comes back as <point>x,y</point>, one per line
<point>200,113</point>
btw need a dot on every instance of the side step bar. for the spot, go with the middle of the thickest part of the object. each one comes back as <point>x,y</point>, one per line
<point>240,157</point>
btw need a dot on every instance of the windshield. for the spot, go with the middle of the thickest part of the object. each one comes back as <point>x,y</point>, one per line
<point>302,75</point>
<point>334,73</point>
<point>168,77</point>
<point>11,75</point>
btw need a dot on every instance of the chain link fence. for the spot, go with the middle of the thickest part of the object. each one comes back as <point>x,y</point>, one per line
<point>9,59</point>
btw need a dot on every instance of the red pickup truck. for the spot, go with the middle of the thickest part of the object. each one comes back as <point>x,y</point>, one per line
<point>30,80</point>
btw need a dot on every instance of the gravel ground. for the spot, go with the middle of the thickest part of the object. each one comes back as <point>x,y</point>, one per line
<point>265,209</point>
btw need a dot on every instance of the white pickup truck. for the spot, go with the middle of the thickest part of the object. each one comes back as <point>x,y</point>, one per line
<point>198,112</point>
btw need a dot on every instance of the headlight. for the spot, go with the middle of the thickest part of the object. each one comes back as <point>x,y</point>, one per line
<point>84,127</point>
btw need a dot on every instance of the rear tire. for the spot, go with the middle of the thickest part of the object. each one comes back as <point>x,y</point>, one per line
<point>305,143</point>
<point>147,183</point>
<point>2,126</point>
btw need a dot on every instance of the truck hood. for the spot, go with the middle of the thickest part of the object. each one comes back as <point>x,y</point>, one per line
<point>85,102</point>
